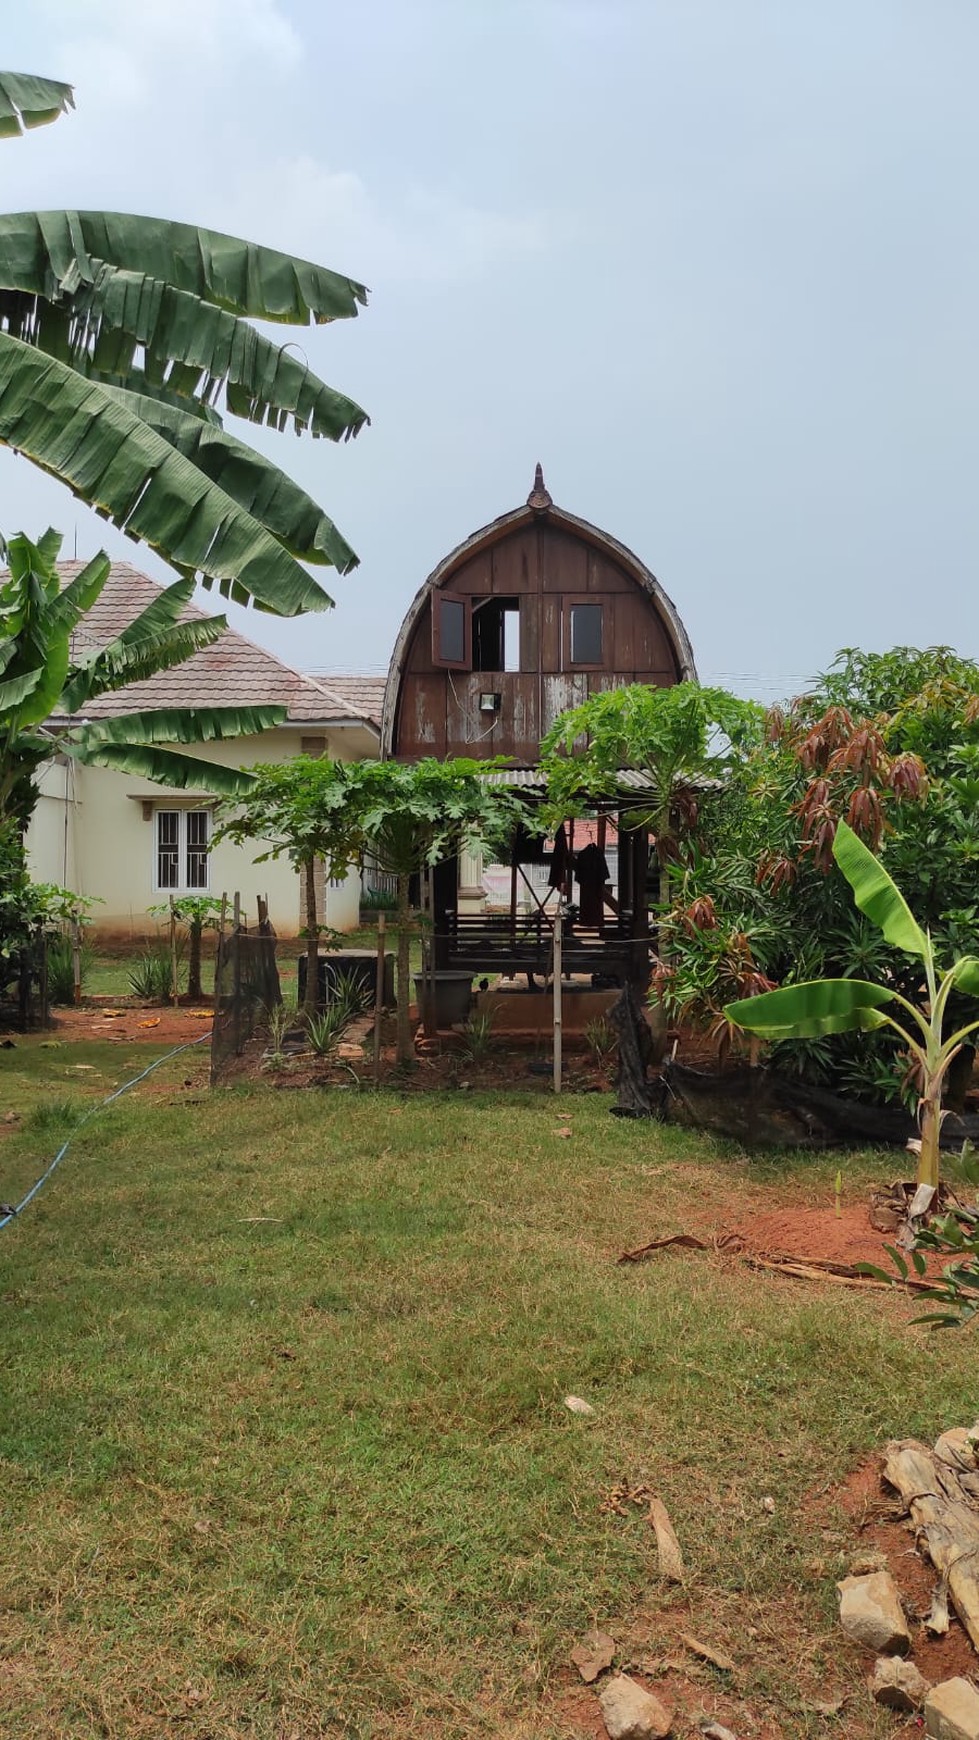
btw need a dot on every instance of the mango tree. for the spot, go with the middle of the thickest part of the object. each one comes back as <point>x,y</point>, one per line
<point>821,1006</point>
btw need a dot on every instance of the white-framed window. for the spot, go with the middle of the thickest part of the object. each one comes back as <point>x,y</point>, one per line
<point>181,839</point>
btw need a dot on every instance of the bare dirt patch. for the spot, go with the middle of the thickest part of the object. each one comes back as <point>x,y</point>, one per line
<point>816,1233</point>
<point>131,1023</point>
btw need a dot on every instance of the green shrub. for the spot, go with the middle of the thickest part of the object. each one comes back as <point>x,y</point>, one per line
<point>52,1115</point>
<point>348,999</point>
<point>378,900</point>
<point>601,1040</point>
<point>477,1034</point>
<point>151,975</point>
<point>61,968</point>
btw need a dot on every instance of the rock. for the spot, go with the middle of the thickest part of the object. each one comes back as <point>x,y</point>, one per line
<point>952,1711</point>
<point>631,1713</point>
<point>862,1564</point>
<point>898,1684</point>
<point>576,1405</point>
<point>716,1731</point>
<point>593,1655</point>
<point>871,1613</point>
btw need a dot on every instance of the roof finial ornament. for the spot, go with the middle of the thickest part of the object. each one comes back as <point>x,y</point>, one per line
<point>538,498</point>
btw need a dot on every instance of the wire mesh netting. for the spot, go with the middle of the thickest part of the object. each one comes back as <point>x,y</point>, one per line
<point>246,988</point>
<point>24,1000</point>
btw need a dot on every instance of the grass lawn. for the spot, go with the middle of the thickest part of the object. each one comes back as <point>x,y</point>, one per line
<point>283,1446</point>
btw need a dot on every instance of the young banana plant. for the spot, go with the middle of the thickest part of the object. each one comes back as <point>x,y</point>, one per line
<point>854,1005</point>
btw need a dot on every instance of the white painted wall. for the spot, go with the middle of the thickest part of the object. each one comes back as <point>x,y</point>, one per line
<point>88,832</point>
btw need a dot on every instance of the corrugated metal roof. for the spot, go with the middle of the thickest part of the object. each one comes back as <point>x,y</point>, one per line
<point>532,779</point>
<point>632,783</point>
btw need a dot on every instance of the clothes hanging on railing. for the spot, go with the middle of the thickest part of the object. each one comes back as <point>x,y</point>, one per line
<point>591,873</point>
<point>559,859</point>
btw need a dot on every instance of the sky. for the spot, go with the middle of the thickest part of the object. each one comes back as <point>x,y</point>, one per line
<point>714,263</point>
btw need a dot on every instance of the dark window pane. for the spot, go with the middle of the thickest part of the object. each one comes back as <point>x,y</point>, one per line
<point>586,634</point>
<point>167,848</point>
<point>197,834</point>
<point>452,631</point>
<point>496,635</point>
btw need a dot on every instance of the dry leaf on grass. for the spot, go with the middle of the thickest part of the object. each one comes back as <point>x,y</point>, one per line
<point>716,1657</point>
<point>670,1557</point>
<point>577,1405</point>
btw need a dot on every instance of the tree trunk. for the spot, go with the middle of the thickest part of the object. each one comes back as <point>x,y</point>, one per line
<point>311,999</point>
<point>194,988</point>
<point>405,1048</point>
<point>930,1124</point>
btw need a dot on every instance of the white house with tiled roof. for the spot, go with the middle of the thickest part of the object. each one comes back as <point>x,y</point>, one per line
<point>129,842</point>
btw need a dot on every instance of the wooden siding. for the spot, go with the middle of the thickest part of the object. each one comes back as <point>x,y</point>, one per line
<point>546,568</point>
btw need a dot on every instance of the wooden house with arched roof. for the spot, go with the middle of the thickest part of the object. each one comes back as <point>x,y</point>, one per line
<point>525,619</point>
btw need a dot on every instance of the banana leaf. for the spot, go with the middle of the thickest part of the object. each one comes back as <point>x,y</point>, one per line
<point>163,613</point>
<point>14,692</point>
<point>163,766</point>
<point>57,249</point>
<point>122,663</point>
<point>966,974</point>
<point>29,101</point>
<point>115,462</point>
<point>253,481</point>
<point>188,350</point>
<point>812,1008</point>
<point>180,725</point>
<point>877,895</point>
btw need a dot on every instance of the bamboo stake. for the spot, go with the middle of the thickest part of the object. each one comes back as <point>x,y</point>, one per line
<point>558,921</point>
<point>76,959</point>
<point>379,996</point>
<point>174,992</point>
<point>429,1022</point>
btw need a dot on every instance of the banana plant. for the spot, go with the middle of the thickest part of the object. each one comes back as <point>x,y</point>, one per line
<point>48,678</point>
<point>123,342</point>
<point>820,1006</point>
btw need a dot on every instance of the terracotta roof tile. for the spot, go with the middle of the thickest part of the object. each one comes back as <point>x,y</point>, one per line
<point>363,694</point>
<point>234,672</point>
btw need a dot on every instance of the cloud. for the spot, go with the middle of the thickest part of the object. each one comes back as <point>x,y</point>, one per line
<point>421,235</point>
<point>126,47</point>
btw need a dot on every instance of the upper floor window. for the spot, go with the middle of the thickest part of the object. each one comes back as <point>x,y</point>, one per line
<point>496,634</point>
<point>180,851</point>
<point>451,631</point>
<point>586,634</point>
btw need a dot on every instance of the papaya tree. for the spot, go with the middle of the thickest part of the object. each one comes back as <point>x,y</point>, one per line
<point>678,737</point>
<point>822,1006</point>
<point>419,814</point>
<point>125,339</point>
<point>308,809</point>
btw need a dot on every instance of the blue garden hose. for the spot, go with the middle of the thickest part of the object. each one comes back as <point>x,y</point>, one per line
<point>9,1214</point>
